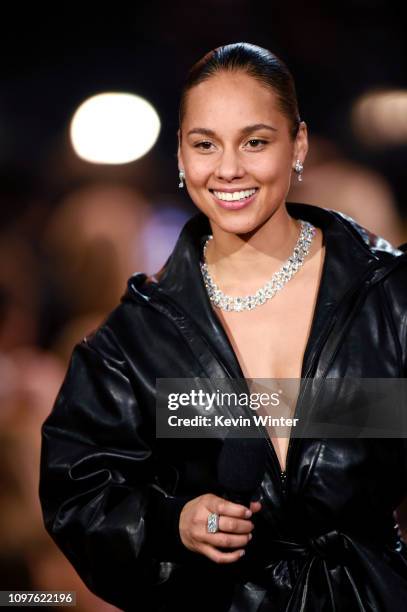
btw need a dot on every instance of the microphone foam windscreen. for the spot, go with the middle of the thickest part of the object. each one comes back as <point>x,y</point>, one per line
<point>242,463</point>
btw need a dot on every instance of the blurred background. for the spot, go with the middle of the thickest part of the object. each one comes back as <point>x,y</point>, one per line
<point>89,183</point>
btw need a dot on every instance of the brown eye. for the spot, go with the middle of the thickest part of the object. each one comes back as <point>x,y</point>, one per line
<point>202,145</point>
<point>257,141</point>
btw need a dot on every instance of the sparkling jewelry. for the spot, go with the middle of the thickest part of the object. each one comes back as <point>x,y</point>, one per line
<point>181,178</point>
<point>272,286</point>
<point>213,522</point>
<point>299,168</point>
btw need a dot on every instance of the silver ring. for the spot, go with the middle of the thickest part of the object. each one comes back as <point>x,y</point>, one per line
<point>213,522</point>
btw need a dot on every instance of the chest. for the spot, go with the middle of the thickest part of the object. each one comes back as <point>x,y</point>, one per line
<point>270,341</point>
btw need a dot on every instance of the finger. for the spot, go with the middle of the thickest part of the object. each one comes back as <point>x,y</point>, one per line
<point>227,508</point>
<point>221,557</point>
<point>235,525</point>
<point>227,540</point>
<point>255,506</point>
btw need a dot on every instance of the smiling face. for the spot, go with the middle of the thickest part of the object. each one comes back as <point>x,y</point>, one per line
<point>237,151</point>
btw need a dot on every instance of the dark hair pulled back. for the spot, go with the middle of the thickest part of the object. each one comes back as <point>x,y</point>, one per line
<point>255,61</point>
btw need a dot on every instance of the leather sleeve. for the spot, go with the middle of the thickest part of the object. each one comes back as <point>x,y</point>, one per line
<point>100,501</point>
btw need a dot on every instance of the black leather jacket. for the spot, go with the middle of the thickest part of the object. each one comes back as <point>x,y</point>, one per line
<point>111,492</point>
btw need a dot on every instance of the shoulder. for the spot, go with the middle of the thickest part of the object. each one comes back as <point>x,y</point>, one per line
<point>378,245</point>
<point>132,323</point>
<point>350,242</point>
<point>338,226</point>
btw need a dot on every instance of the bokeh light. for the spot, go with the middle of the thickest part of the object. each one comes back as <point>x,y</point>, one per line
<point>114,128</point>
<point>379,118</point>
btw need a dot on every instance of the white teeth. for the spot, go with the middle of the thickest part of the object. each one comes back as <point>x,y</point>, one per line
<point>236,195</point>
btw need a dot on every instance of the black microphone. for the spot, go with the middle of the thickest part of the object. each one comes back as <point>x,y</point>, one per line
<point>241,467</point>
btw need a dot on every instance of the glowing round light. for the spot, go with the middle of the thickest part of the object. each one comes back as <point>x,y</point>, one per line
<point>380,117</point>
<point>114,128</point>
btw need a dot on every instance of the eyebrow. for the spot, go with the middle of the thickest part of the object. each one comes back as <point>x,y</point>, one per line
<point>246,130</point>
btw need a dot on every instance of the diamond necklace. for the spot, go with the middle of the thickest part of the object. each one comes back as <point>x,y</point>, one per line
<point>272,286</point>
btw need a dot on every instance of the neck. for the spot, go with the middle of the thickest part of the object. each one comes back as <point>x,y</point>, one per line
<point>246,261</point>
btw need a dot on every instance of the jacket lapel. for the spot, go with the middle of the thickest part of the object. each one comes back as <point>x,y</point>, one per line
<point>181,282</point>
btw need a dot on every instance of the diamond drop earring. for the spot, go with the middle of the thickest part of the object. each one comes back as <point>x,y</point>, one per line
<point>181,178</point>
<point>299,168</point>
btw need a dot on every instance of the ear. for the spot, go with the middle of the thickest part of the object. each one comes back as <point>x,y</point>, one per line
<point>179,154</point>
<point>301,143</point>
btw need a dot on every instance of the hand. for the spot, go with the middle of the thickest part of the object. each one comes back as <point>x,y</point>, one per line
<point>234,527</point>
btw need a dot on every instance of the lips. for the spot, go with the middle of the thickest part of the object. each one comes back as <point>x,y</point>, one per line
<point>228,196</point>
<point>234,204</point>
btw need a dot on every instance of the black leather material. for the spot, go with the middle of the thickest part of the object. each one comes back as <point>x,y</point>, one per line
<point>111,492</point>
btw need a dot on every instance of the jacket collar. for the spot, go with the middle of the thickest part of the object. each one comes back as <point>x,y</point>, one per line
<point>351,252</point>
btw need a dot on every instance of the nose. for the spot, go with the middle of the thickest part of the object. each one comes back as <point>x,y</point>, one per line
<point>229,165</point>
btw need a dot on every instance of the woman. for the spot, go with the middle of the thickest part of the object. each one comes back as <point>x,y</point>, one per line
<point>144,520</point>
